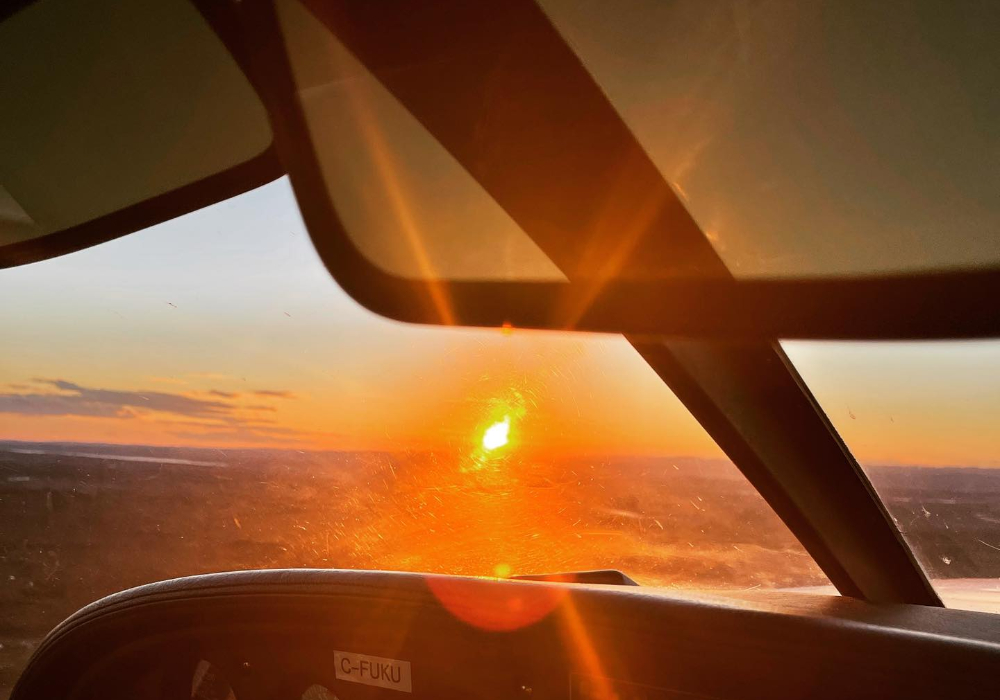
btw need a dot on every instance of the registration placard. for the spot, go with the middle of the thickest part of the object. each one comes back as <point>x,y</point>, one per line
<point>373,670</point>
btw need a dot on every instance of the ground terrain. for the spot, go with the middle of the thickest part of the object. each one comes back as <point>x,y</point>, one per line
<point>78,522</point>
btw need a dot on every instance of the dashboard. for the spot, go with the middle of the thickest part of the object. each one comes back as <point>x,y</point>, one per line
<point>315,635</point>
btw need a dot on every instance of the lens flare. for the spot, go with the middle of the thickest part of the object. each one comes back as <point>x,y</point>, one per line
<point>497,435</point>
<point>499,606</point>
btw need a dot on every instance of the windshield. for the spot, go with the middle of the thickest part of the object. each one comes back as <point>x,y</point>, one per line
<point>922,419</point>
<point>200,396</point>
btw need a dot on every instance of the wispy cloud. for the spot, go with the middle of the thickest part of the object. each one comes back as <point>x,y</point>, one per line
<point>270,393</point>
<point>66,398</point>
<point>57,405</point>
<point>163,402</point>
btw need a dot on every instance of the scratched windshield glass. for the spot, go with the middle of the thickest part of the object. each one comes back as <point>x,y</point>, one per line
<point>922,420</point>
<point>201,396</point>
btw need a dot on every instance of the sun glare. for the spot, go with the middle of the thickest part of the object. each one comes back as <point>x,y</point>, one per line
<point>497,435</point>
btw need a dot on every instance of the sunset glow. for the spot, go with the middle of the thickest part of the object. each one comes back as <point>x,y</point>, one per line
<point>141,341</point>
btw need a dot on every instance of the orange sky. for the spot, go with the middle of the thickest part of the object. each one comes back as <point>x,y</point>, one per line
<point>222,328</point>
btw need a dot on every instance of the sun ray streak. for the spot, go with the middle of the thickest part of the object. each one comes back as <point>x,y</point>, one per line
<point>582,648</point>
<point>381,156</point>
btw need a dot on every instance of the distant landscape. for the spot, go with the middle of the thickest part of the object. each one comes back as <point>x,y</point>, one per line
<point>81,521</point>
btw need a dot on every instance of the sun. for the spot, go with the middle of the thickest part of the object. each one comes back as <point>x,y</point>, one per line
<point>497,435</point>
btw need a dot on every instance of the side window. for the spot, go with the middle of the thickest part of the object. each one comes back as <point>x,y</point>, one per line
<point>921,419</point>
